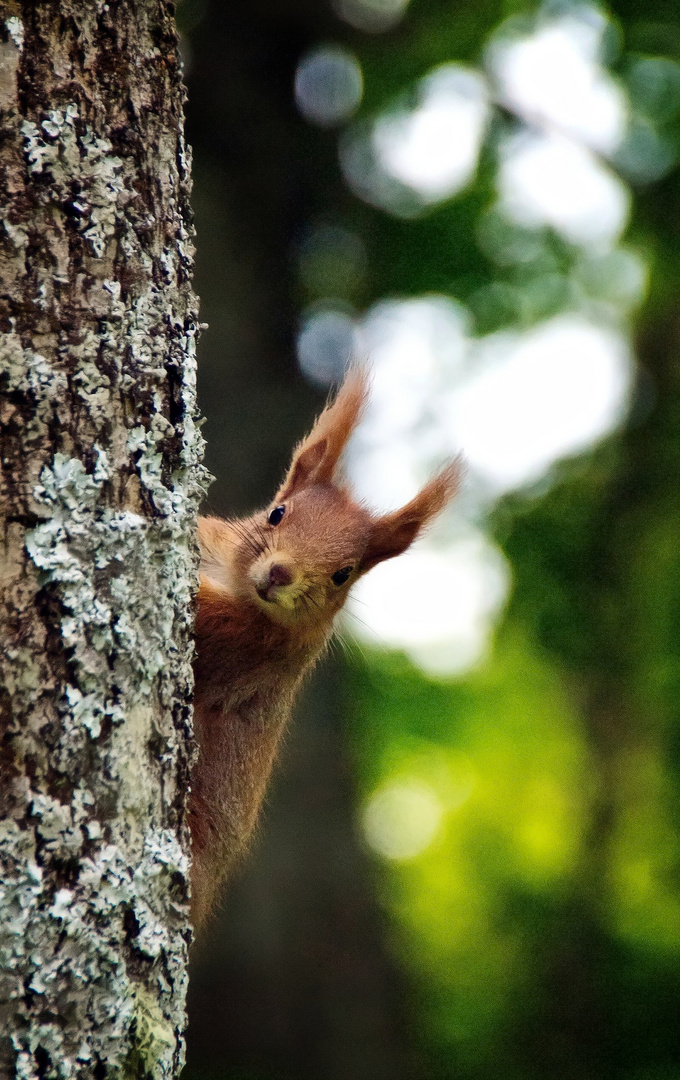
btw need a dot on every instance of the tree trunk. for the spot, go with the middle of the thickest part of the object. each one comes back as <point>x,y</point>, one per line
<point>100,481</point>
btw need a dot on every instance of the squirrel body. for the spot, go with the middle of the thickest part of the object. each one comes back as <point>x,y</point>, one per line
<point>270,588</point>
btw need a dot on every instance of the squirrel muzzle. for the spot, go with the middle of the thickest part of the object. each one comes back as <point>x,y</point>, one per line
<point>275,581</point>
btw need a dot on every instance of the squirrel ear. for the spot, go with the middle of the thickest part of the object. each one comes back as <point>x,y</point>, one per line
<point>316,458</point>
<point>307,460</point>
<point>394,533</point>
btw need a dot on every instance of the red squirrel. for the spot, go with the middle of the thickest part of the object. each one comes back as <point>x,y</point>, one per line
<point>270,588</point>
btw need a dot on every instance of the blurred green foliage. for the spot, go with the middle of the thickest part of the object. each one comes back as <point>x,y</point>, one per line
<point>541,925</point>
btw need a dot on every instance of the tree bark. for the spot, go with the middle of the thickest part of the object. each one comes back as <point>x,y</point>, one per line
<point>99,485</point>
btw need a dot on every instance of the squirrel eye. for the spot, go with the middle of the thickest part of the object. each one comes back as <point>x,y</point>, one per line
<point>340,576</point>
<point>276,515</point>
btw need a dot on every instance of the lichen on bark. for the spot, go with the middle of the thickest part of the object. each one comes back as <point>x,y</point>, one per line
<point>100,481</point>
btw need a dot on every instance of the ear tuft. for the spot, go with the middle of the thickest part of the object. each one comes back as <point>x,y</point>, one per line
<point>394,533</point>
<point>316,458</point>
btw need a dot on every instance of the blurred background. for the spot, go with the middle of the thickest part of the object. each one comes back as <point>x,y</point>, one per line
<point>469,863</point>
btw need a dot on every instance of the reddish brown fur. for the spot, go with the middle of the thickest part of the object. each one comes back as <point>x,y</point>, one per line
<point>252,650</point>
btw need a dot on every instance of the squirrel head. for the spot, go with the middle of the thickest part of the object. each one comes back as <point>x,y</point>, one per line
<point>297,559</point>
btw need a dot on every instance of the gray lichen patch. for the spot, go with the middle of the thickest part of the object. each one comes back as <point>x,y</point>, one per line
<point>15,29</point>
<point>121,636</point>
<point>55,146</point>
<point>101,479</point>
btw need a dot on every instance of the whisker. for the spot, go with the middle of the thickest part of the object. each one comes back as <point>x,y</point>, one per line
<point>306,600</point>
<point>333,646</point>
<point>242,530</point>
<point>311,599</point>
<point>349,646</point>
<point>370,629</point>
<point>266,537</point>
<point>237,543</point>
<point>339,639</point>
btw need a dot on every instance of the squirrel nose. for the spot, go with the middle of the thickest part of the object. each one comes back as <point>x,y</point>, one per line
<point>279,575</point>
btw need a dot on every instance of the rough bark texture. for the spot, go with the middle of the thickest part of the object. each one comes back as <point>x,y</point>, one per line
<point>100,482</point>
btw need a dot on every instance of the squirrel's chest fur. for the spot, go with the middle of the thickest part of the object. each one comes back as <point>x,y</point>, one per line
<point>248,671</point>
